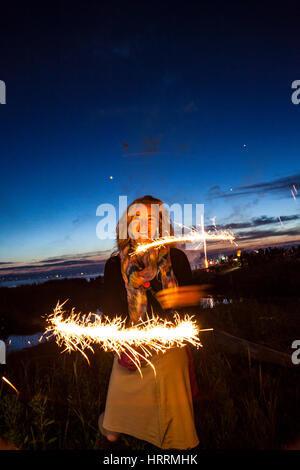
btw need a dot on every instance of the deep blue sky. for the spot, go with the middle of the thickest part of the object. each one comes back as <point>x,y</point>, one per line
<point>190,103</point>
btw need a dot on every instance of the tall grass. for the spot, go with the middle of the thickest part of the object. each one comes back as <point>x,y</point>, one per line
<point>244,404</point>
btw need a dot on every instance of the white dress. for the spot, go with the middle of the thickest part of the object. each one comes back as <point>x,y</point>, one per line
<point>157,409</point>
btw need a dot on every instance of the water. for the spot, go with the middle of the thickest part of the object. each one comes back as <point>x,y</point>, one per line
<point>20,342</point>
<point>22,282</point>
<point>211,302</point>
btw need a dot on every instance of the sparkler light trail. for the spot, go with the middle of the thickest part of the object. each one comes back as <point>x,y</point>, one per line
<point>204,241</point>
<point>78,332</point>
<point>10,384</point>
<point>293,194</point>
<point>213,219</point>
<point>194,236</point>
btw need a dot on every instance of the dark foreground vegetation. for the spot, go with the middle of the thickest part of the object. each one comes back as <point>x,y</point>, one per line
<point>245,404</point>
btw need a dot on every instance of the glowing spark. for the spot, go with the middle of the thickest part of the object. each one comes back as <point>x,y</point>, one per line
<point>153,335</point>
<point>194,236</point>
<point>293,194</point>
<point>10,384</point>
<point>213,219</point>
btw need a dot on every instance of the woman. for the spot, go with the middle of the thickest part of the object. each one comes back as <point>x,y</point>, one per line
<point>157,409</point>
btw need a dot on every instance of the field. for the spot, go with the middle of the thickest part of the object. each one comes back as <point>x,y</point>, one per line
<point>245,403</point>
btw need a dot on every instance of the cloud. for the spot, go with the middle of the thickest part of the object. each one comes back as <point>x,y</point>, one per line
<point>53,260</point>
<point>250,230</point>
<point>96,259</point>
<point>260,234</point>
<point>214,188</point>
<point>125,146</point>
<point>256,222</point>
<point>81,219</point>
<point>263,220</point>
<point>150,147</point>
<point>151,144</point>
<point>279,187</point>
<point>190,107</point>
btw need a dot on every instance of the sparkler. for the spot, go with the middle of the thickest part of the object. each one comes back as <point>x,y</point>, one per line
<point>194,236</point>
<point>153,335</point>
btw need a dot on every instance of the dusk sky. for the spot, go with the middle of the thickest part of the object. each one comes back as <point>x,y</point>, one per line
<point>190,103</point>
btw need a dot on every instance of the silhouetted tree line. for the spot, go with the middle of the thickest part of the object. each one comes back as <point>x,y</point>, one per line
<point>264,273</point>
<point>22,307</point>
<point>266,254</point>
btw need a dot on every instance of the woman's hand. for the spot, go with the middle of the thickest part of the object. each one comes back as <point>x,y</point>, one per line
<point>150,261</point>
<point>184,296</point>
<point>141,269</point>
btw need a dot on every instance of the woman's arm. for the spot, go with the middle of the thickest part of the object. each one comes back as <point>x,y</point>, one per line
<point>181,267</point>
<point>187,294</point>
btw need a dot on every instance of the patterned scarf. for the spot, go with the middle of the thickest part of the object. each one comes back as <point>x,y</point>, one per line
<point>138,271</point>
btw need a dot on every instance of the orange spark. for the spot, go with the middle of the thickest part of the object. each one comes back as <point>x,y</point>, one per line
<point>10,384</point>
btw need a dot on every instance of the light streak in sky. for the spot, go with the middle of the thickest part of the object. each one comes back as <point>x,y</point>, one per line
<point>293,194</point>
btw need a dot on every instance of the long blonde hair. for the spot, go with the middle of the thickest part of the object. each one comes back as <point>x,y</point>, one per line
<point>147,200</point>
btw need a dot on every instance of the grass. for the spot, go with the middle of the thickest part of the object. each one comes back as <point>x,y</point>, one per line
<point>244,405</point>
